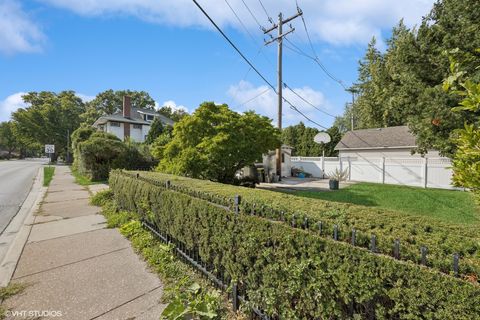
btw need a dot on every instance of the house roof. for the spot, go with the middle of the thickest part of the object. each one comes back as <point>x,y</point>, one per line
<point>136,117</point>
<point>379,138</point>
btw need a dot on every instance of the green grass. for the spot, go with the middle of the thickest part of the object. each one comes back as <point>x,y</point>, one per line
<point>82,180</point>
<point>48,173</point>
<point>446,205</point>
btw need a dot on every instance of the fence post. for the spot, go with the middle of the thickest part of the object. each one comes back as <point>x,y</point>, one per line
<point>396,249</point>
<point>167,184</point>
<point>383,169</point>
<point>236,203</point>
<point>455,264</point>
<point>373,244</point>
<point>235,297</point>
<point>320,227</point>
<point>305,223</point>
<point>349,169</point>
<point>335,232</point>
<point>425,172</point>
<point>423,251</point>
<point>340,163</point>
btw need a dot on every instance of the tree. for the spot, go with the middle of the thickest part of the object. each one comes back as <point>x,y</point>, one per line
<point>110,102</point>
<point>156,129</point>
<point>403,86</point>
<point>49,118</point>
<point>7,138</point>
<point>301,137</point>
<point>466,161</point>
<point>215,142</point>
<point>174,114</point>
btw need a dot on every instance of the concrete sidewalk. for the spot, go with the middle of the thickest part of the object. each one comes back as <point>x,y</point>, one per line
<point>75,267</point>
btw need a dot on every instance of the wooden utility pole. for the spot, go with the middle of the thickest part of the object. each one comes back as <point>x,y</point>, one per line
<point>279,39</point>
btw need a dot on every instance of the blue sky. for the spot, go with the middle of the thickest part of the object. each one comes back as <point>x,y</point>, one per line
<point>170,50</point>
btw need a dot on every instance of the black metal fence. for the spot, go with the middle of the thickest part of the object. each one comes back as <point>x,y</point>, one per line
<point>305,224</point>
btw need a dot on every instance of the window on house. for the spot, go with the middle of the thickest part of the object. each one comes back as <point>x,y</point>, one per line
<point>149,117</point>
<point>137,126</point>
<point>114,124</point>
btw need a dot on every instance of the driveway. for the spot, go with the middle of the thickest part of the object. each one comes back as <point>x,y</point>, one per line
<point>16,178</point>
<point>299,184</point>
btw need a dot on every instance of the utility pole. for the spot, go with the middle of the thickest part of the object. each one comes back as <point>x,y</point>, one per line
<point>352,117</point>
<point>279,39</point>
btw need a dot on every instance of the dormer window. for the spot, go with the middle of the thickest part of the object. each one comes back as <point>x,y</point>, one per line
<point>149,117</point>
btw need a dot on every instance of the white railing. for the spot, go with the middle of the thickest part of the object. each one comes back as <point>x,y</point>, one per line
<point>420,172</point>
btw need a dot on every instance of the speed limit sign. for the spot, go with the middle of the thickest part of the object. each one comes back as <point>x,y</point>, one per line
<point>49,148</point>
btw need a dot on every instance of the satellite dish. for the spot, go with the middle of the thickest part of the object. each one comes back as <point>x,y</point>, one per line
<point>322,137</point>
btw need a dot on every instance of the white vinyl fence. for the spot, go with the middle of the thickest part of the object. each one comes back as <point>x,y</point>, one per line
<point>419,172</point>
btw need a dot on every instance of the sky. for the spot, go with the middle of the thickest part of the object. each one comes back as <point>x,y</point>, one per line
<point>171,50</point>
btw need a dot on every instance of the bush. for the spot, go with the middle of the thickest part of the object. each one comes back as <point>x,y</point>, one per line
<point>292,273</point>
<point>97,152</point>
<point>441,239</point>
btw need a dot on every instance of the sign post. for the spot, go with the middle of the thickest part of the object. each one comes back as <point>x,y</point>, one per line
<point>50,150</point>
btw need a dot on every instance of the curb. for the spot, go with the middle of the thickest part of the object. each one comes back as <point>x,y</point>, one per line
<point>16,234</point>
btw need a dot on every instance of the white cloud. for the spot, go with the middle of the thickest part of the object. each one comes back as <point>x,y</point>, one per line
<point>248,97</point>
<point>17,32</point>
<point>85,97</point>
<point>340,22</point>
<point>11,104</point>
<point>172,104</point>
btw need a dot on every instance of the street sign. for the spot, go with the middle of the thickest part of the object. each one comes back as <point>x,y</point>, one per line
<point>49,148</point>
<point>322,137</point>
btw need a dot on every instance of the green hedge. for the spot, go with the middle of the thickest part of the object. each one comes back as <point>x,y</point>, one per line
<point>441,239</point>
<point>293,273</point>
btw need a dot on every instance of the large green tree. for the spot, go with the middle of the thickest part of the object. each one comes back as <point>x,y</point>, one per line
<point>110,102</point>
<point>174,114</point>
<point>301,137</point>
<point>215,142</point>
<point>403,85</point>
<point>8,141</point>
<point>49,118</point>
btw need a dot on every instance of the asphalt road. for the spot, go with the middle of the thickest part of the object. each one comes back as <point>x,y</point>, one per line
<point>16,179</point>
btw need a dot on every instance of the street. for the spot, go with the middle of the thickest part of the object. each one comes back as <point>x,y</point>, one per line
<point>16,178</point>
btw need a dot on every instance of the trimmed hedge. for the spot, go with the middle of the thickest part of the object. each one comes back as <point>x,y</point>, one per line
<point>441,239</point>
<point>292,273</point>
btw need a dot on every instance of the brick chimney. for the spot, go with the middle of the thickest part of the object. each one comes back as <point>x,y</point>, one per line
<point>127,110</point>
<point>127,107</point>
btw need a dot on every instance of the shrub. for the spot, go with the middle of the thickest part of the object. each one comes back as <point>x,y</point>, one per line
<point>97,152</point>
<point>292,273</point>
<point>441,239</point>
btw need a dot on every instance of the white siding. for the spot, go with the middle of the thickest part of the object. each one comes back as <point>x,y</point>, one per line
<point>136,134</point>
<point>117,131</point>
<point>145,130</point>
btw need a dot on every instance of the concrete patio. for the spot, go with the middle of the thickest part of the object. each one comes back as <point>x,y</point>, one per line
<point>302,184</point>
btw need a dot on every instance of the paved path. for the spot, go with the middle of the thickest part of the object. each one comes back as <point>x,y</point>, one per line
<point>16,178</point>
<point>73,265</point>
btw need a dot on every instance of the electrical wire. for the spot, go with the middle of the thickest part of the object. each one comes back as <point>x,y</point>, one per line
<point>250,100</point>
<point>253,16</point>
<point>266,12</point>
<point>308,102</point>
<point>293,107</point>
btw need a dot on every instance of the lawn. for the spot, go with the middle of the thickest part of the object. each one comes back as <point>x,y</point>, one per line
<point>446,205</point>
<point>48,173</point>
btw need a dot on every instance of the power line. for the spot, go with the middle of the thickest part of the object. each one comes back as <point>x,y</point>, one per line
<point>232,44</point>
<point>250,100</point>
<point>251,65</point>
<point>266,12</point>
<point>315,56</point>
<point>253,16</point>
<point>308,102</point>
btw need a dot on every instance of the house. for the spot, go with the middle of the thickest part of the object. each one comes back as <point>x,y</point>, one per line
<point>270,163</point>
<point>131,123</point>
<point>390,142</point>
